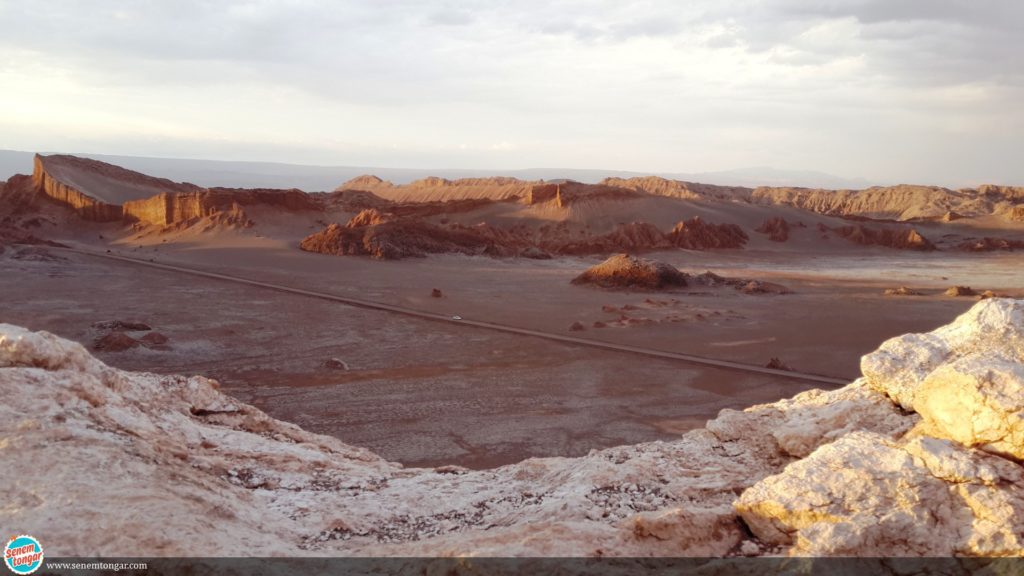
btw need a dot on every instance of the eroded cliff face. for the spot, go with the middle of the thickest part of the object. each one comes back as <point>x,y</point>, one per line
<point>879,467</point>
<point>82,184</point>
<point>86,206</point>
<point>175,208</point>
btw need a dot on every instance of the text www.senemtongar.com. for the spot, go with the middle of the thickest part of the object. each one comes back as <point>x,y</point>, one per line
<point>107,566</point>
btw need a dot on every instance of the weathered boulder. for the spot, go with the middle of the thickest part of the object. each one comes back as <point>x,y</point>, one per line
<point>993,328</point>
<point>866,495</point>
<point>961,291</point>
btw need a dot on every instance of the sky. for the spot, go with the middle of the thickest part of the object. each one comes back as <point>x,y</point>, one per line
<point>922,91</point>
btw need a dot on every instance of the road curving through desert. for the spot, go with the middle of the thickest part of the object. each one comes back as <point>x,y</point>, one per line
<point>699,360</point>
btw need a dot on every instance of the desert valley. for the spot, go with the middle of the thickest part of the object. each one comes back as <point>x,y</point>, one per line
<point>608,363</point>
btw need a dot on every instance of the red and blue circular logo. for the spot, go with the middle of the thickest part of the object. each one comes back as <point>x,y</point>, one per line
<point>23,554</point>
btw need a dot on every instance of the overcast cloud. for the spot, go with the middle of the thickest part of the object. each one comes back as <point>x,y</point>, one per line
<point>926,91</point>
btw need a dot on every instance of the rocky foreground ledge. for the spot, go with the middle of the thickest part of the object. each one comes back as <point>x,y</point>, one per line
<point>920,457</point>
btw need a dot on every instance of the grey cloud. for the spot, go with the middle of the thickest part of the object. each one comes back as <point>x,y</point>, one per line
<point>528,65</point>
<point>938,42</point>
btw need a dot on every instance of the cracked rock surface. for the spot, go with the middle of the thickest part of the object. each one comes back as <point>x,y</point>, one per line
<point>919,457</point>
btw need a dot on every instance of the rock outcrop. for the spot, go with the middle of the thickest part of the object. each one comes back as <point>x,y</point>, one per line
<point>696,234</point>
<point>658,186</point>
<point>435,189</point>
<point>952,485</point>
<point>902,291</point>
<point>368,217</point>
<point>990,244</point>
<point>178,208</point>
<point>393,235</point>
<point>103,192</point>
<point>58,189</point>
<point>961,291</point>
<point>776,228</point>
<point>886,466</point>
<point>625,271</point>
<point>394,240</point>
<point>899,238</point>
<point>903,202</point>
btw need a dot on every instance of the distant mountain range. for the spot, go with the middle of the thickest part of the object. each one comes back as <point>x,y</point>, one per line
<point>321,178</point>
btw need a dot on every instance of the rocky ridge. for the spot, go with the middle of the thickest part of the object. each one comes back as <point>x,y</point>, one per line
<point>886,465</point>
<point>387,235</point>
<point>902,202</point>
<point>435,189</point>
<point>102,192</point>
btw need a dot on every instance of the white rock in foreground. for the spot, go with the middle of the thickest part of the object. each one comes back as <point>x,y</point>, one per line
<point>966,380</point>
<point>865,495</point>
<point>98,461</point>
<point>954,485</point>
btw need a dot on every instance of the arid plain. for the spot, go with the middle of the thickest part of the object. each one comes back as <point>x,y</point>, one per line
<point>799,285</point>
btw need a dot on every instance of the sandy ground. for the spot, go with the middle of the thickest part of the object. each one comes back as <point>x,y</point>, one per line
<point>426,393</point>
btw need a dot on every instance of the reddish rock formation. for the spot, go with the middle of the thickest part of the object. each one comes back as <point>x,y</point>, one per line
<point>902,202</point>
<point>625,271</point>
<point>961,291</point>
<point>696,234</point>
<point>989,244</point>
<point>632,237</point>
<point>566,193</point>
<point>572,192</point>
<point>534,253</point>
<point>335,364</point>
<point>541,193</point>
<point>658,186</point>
<point>441,189</point>
<point>776,228</point>
<point>902,291</point>
<point>115,342</point>
<point>103,192</point>
<point>122,325</point>
<point>154,340</point>
<point>355,200</point>
<point>760,287</point>
<point>402,237</point>
<point>394,240</point>
<point>368,217</point>
<point>175,208</point>
<point>902,238</point>
<point>86,206</point>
